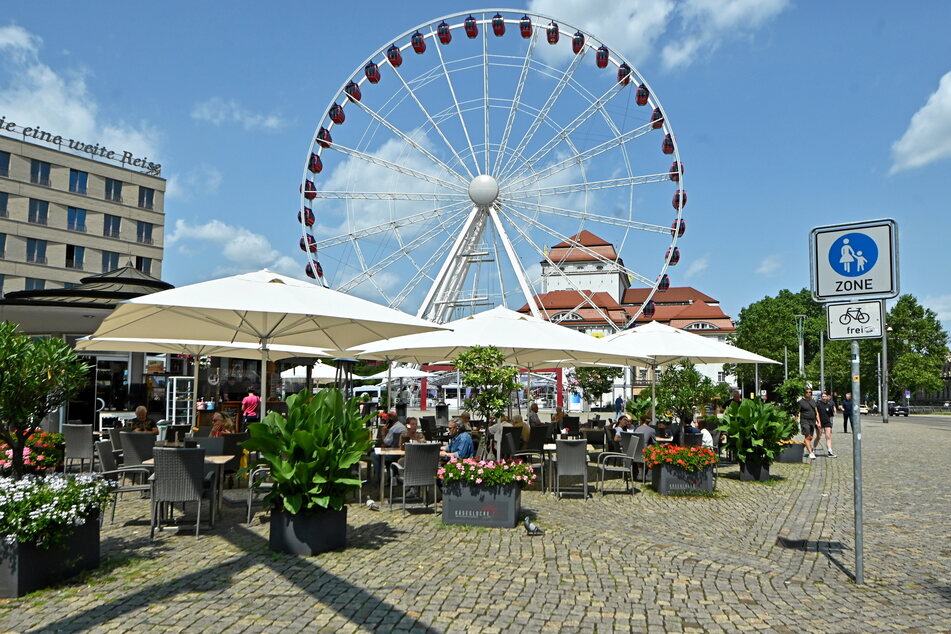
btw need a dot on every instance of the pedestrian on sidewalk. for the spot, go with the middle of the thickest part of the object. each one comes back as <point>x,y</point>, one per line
<point>808,420</point>
<point>826,418</point>
<point>848,410</point>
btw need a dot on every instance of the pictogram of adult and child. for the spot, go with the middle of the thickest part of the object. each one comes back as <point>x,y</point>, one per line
<point>853,254</point>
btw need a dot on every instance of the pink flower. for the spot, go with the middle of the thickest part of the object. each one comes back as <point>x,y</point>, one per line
<point>442,471</point>
<point>41,457</point>
<point>478,480</point>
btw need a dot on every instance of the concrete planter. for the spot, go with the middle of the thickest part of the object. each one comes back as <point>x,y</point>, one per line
<point>477,505</point>
<point>308,533</point>
<point>668,479</point>
<point>792,454</point>
<point>25,568</point>
<point>758,471</point>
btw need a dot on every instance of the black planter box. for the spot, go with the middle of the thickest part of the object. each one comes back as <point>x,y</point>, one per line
<point>750,471</point>
<point>25,568</point>
<point>477,505</point>
<point>667,479</point>
<point>308,533</point>
<point>792,453</point>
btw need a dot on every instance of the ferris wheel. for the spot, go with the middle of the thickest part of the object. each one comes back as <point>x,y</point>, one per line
<point>451,161</point>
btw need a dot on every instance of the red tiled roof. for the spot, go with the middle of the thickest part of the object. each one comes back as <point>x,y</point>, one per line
<point>586,238</point>
<point>566,300</point>
<point>567,251</point>
<point>672,294</point>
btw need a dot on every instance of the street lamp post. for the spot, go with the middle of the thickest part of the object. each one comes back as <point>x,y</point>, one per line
<point>883,403</point>
<point>800,330</point>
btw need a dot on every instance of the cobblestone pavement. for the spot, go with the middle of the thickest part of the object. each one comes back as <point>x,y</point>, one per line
<point>767,557</point>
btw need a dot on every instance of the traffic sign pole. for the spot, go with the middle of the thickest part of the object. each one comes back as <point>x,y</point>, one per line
<point>857,467</point>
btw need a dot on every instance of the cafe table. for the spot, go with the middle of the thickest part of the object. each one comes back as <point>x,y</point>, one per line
<point>384,452</point>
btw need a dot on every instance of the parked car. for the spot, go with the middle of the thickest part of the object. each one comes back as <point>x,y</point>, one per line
<point>863,409</point>
<point>897,409</point>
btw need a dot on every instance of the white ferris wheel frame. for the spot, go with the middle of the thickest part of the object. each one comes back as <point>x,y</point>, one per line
<point>443,294</point>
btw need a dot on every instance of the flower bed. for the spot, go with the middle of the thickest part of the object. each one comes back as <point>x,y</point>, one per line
<point>45,510</point>
<point>686,458</point>
<point>487,472</point>
<point>43,453</point>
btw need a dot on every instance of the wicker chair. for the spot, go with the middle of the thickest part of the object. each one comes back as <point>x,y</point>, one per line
<point>692,440</point>
<point>537,436</point>
<point>180,477</point>
<point>137,447</point>
<point>79,445</point>
<point>571,458</point>
<point>113,472</point>
<point>422,463</point>
<point>620,462</point>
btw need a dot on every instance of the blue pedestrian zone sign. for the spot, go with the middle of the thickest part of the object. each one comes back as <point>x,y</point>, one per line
<point>857,260</point>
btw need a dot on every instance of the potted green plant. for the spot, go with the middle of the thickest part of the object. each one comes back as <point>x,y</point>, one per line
<point>311,453</point>
<point>754,432</point>
<point>677,469</point>
<point>49,529</point>
<point>483,492</point>
<point>791,451</point>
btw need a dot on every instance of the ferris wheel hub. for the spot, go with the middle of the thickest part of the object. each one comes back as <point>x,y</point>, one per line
<point>483,190</point>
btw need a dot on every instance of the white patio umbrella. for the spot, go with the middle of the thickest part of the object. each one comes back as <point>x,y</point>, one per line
<point>319,371</point>
<point>400,372</point>
<point>261,308</point>
<point>666,344</point>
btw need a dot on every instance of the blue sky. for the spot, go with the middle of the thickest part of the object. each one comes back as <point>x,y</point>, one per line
<point>788,115</point>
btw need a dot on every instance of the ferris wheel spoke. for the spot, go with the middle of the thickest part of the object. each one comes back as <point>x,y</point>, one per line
<point>410,140</point>
<point>369,158</point>
<point>347,195</point>
<point>543,114</point>
<point>610,183</point>
<point>580,247</point>
<point>516,100</point>
<point>586,216</point>
<point>429,118</point>
<point>503,211</point>
<point>566,131</point>
<point>396,256</point>
<point>423,216</point>
<point>455,101</point>
<point>581,157</point>
<point>422,272</point>
<point>485,88</point>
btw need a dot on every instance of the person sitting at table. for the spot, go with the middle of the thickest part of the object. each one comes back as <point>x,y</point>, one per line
<point>690,427</point>
<point>390,434</point>
<point>706,435</point>
<point>412,433</point>
<point>460,442</point>
<point>557,417</point>
<point>524,428</point>
<point>221,425</point>
<point>142,422</point>
<point>533,418</point>
<point>623,424</point>
<point>645,429</point>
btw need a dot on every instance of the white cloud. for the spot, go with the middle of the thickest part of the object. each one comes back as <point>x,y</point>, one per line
<point>704,24</point>
<point>928,137</point>
<point>204,180</point>
<point>770,266</point>
<point>35,95</point>
<point>217,111</point>
<point>633,26</point>
<point>242,249</point>
<point>697,267</point>
<point>941,304</point>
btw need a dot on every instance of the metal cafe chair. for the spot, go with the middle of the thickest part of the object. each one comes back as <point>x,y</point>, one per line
<point>421,466</point>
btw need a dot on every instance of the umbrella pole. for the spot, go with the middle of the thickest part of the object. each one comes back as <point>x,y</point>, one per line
<point>389,380</point>
<point>195,363</point>
<point>653,398</point>
<point>263,407</point>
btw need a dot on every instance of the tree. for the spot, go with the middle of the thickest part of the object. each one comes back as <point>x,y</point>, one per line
<point>681,388</point>
<point>768,326</point>
<point>595,381</point>
<point>790,391</point>
<point>36,377</point>
<point>917,348</point>
<point>838,367</point>
<point>483,369</point>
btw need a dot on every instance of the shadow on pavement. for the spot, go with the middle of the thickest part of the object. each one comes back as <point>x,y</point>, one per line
<point>827,548</point>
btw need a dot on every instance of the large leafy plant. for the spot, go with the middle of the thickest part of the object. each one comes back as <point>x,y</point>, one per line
<point>755,430</point>
<point>312,450</point>
<point>37,375</point>
<point>638,407</point>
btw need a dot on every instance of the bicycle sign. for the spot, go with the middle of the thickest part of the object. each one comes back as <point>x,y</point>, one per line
<point>855,320</point>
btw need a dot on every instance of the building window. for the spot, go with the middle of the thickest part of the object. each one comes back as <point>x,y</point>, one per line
<point>4,198</point>
<point>75,219</point>
<point>110,261</point>
<point>77,181</point>
<point>3,245</point>
<point>143,264</point>
<point>33,284</point>
<point>70,284</point>
<point>110,226</point>
<point>568,316</point>
<point>721,377</point>
<point>143,232</point>
<point>39,172</point>
<point>146,197</point>
<point>4,163</point>
<point>114,190</point>
<point>36,251</point>
<point>701,325</point>
<point>74,256</point>
<point>39,211</point>
<point>1,284</point>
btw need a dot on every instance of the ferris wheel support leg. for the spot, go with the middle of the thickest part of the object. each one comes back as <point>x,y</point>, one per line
<point>515,262</point>
<point>454,269</point>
